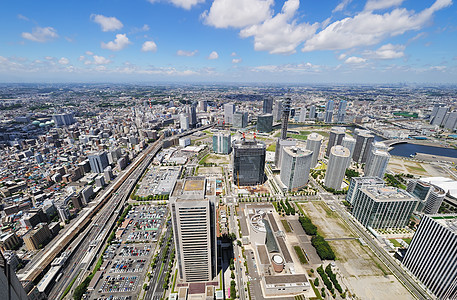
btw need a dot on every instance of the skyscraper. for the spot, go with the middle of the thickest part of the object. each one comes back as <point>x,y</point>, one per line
<point>63,119</point>
<point>383,207</point>
<point>337,164</point>
<point>376,146</point>
<point>377,165</point>
<point>349,142</point>
<point>329,111</point>
<point>10,286</point>
<point>203,105</point>
<point>431,196</point>
<point>192,112</point>
<point>341,111</point>
<point>295,166</point>
<point>280,144</point>
<point>267,105</point>
<point>184,121</point>
<point>284,124</point>
<point>335,138</point>
<point>314,143</point>
<point>439,116</point>
<point>222,143</point>
<point>265,123</point>
<point>229,110</point>
<point>277,110</point>
<point>192,206</point>
<point>451,121</point>
<point>312,112</point>
<point>302,115</point>
<point>362,146</point>
<point>98,161</point>
<point>248,162</point>
<point>432,255</point>
<point>240,119</point>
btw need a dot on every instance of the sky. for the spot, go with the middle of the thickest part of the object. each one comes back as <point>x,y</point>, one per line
<point>251,41</point>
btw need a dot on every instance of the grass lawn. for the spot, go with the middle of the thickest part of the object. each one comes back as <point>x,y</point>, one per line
<point>272,147</point>
<point>300,254</point>
<point>417,168</point>
<point>286,226</point>
<point>408,241</point>
<point>394,241</point>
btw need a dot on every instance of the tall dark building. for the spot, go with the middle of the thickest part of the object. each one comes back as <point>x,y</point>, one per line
<point>285,118</point>
<point>335,138</point>
<point>265,123</point>
<point>267,105</point>
<point>248,162</point>
<point>193,115</point>
<point>362,148</point>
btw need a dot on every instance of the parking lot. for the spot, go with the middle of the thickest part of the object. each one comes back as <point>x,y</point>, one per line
<point>158,181</point>
<point>127,259</point>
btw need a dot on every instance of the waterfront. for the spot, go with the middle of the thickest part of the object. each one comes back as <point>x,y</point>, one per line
<point>406,150</point>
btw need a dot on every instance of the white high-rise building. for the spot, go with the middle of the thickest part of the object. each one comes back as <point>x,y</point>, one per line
<point>192,205</point>
<point>277,110</point>
<point>312,112</point>
<point>377,164</point>
<point>314,143</point>
<point>329,111</point>
<point>349,142</point>
<point>229,110</point>
<point>302,115</point>
<point>184,121</point>
<point>431,196</point>
<point>439,116</point>
<point>337,164</point>
<point>295,166</point>
<point>432,255</point>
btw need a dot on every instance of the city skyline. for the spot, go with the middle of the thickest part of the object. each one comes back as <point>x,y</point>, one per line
<point>214,41</point>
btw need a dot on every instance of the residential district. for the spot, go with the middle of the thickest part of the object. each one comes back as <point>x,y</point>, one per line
<point>228,192</point>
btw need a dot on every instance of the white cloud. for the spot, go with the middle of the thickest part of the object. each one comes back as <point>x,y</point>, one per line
<point>236,60</point>
<point>367,28</point>
<point>90,53</point>
<point>100,60</point>
<point>22,17</point>
<point>296,68</point>
<point>149,46</point>
<point>237,13</point>
<point>213,55</point>
<point>186,53</point>
<point>119,43</point>
<point>342,56</point>
<point>381,4</point>
<point>280,34</point>
<point>49,58</point>
<point>186,4</point>
<point>233,54</point>
<point>355,60</point>
<point>81,58</point>
<point>107,23</point>
<point>387,51</point>
<point>438,68</point>
<point>41,34</point>
<point>145,27</point>
<point>64,61</point>
<point>342,5</point>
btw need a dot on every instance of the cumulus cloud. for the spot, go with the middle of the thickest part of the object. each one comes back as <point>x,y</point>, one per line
<point>119,43</point>
<point>355,60</point>
<point>280,34</point>
<point>213,55</point>
<point>186,4</point>
<point>107,23</point>
<point>41,34</point>
<point>90,53</point>
<point>64,61</point>
<point>186,53</point>
<point>149,46</point>
<point>368,28</point>
<point>101,60</point>
<point>236,60</point>
<point>81,58</point>
<point>387,51</point>
<point>342,5</point>
<point>296,68</point>
<point>237,13</point>
<point>233,54</point>
<point>381,4</point>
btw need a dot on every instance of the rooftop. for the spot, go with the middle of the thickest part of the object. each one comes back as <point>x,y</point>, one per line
<point>387,193</point>
<point>447,221</point>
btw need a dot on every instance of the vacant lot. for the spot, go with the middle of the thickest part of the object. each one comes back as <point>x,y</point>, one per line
<point>362,273</point>
<point>217,159</point>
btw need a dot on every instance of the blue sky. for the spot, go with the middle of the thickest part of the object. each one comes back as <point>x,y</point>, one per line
<point>330,41</point>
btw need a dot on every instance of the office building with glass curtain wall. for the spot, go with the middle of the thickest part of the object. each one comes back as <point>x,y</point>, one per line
<point>248,162</point>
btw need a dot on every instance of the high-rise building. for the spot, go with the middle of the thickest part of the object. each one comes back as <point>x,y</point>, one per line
<point>35,239</point>
<point>376,146</point>
<point>248,162</point>
<point>431,196</point>
<point>377,165</point>
<point>312,112</point>
<point>295,166</point>
<point>335,138</point>
<point>277,110</point>
<point>222,143</point>
<point>184,121</point>
<point>265,123</point>
<point>98,161</point>
<point>451,121</point>
<point>280,144</point>
<point>358,182</point>
<point>302,115</point>
<point>285,118</point>
<point>203,105</point>
<point>337,164</point>
<point>329,111</point>
<point>192,113</point>
<point>439,116</point>
<point>349,142</point>
<point>192,206</point>
<point>63,119</point>
<point>314,143</point>
<point>267,105</point>
<point>364,139</point>
<point>383,207</point>
<point>240,119</point>
<point>341,116</point>
<point>229,110</point>
<point>432,255</point>
<point>10,286</point>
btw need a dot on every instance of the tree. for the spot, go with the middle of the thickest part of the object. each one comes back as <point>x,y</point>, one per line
<point>316,281</point>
